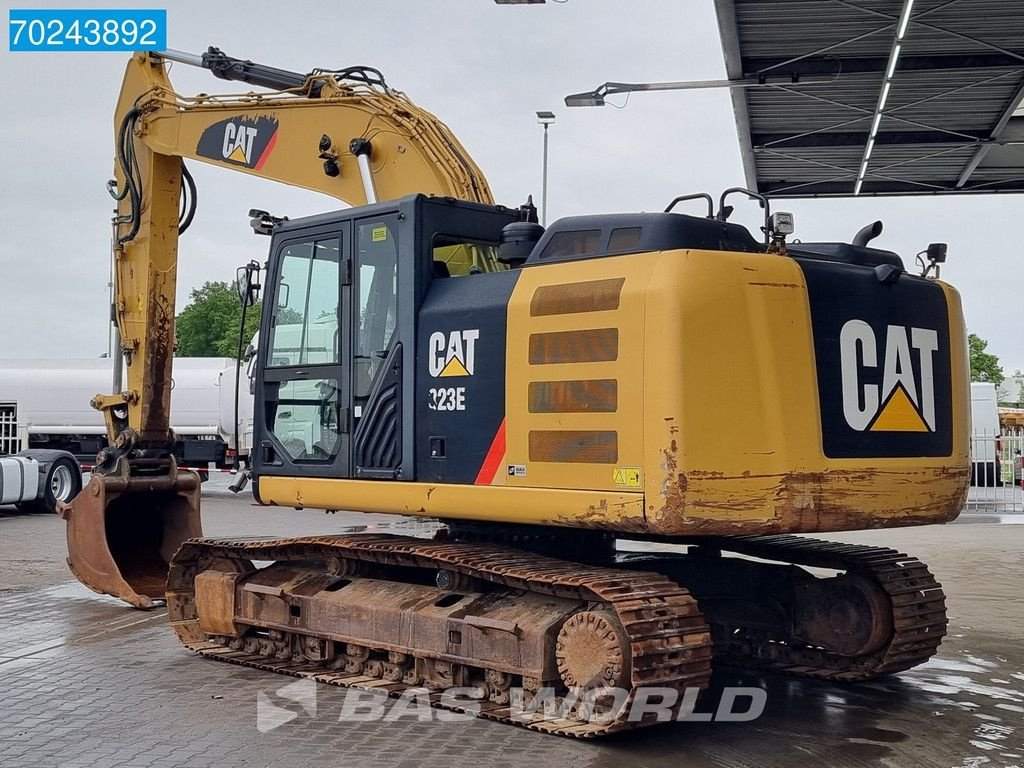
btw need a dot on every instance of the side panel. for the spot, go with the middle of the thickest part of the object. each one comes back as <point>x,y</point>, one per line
<point>575,384</point>
<point>460,376</point>
<point>460,501</point>
<point>734,419</point>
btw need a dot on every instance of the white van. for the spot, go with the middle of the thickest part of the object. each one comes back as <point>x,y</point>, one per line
<point>985,435</point>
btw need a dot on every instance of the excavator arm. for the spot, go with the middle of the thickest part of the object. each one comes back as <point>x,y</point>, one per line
<point>316,135</point>
<point>344,133</point>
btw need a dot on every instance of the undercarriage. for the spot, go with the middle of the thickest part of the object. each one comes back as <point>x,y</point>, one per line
<point>517,635</point>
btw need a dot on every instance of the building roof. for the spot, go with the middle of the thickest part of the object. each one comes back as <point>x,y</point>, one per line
<point>828,121</point>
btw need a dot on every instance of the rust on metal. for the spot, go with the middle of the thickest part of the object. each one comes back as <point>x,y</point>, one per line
<point>506,630</point>
<point>156,365</point>
<point>593,651</point>
<point>848,614</point>
<point>345,610</point>
<point>702,502</point>
<point>907,608</point>
<point>123,530</point>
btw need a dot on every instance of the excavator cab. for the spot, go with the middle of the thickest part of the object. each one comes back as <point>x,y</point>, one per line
<point>336,389</point>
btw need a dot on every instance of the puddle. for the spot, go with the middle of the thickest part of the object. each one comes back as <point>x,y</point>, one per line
<point>967,684</point>
<point>952,665</point>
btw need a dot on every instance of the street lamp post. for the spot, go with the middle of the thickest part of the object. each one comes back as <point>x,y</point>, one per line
<point>596,97</point>
<point>545,118</point>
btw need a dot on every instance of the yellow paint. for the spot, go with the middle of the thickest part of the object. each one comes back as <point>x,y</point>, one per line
<point>899,414</point>
<point>718,402</point>
<point>479,502</point>
<point>454,368</point>
<point>238,155</point>
<point>733,423</point>
<point>627,369</point>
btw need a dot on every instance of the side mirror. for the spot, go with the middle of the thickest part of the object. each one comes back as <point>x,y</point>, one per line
<point>247,283</point>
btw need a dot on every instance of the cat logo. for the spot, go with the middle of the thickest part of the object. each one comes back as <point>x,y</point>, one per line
<point>243,141</point>
<point>453,354</point>
<point>905,399</point>
<point>238,138</point>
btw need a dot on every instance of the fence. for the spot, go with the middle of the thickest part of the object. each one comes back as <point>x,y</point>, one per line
<point>996,472</point>
<point>12,438</point>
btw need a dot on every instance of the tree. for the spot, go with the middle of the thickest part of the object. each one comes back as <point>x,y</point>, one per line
<point>208,326</point>
<point>984,365</point>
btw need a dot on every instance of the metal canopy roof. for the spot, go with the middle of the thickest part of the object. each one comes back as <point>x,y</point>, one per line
<point>941,121</point>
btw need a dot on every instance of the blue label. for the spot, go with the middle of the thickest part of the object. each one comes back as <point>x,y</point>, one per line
<point>87,30</point>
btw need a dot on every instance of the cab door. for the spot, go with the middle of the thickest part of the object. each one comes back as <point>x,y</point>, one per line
<point>304,393</point>
<point>377,344</point>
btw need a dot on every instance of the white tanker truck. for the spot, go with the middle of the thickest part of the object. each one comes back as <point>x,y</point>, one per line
<point>46,420</point>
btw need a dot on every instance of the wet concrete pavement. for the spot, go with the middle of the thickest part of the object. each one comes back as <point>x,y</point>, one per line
<point>85,681</point>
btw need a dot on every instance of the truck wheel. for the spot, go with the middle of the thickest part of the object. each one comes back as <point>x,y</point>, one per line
<point>63,482</point>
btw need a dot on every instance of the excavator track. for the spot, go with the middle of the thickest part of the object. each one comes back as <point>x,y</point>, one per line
<point>916,600</point>
<point>657,623</point>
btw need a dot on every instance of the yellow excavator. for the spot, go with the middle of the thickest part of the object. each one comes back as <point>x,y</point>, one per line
<point>550,397</point>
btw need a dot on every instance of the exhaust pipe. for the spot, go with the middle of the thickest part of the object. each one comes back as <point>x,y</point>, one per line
<point>868,233</point>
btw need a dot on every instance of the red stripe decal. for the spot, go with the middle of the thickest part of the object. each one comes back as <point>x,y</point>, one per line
<point>266,152</point>
<point>494,454</point>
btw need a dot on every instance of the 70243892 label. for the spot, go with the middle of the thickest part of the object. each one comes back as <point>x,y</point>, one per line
<point>53,30</point>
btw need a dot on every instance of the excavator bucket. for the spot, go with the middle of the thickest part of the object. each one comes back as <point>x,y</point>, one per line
<point>123,531</point>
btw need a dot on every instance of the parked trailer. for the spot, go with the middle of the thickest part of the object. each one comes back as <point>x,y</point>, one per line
<point>986,436</point>
<point>49,400</point>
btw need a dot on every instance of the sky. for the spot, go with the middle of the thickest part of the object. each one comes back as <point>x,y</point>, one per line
<point>484,69</point>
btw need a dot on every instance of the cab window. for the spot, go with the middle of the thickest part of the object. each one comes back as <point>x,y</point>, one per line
<point>460,257</point>
<point>305,320</point>
<point>377,290</point>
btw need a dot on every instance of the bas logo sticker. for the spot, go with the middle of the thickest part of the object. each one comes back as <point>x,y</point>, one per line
<point>241,140</point>
<point>452,354</point>
<point>905,399</point>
